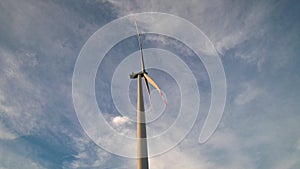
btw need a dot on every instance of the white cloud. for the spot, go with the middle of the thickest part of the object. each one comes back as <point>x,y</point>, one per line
<point>120,120</point>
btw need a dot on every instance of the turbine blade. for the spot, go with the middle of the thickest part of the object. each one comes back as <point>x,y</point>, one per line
<point>151,81</point>
<point>148,91</point>
<point>147,85</point>
<point>140,43</point>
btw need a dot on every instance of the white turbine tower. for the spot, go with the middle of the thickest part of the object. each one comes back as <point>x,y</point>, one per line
<point>142,148</point>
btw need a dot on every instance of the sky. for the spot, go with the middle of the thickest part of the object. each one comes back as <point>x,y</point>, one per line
<point>257,42</point>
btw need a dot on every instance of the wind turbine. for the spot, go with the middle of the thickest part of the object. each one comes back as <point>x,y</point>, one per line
<point>142,148</point>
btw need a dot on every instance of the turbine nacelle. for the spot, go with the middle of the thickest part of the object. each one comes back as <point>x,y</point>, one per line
<point>135,75</point>
<point>148,80</point>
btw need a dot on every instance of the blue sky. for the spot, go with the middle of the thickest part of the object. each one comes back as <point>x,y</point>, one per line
<point>258,43</point>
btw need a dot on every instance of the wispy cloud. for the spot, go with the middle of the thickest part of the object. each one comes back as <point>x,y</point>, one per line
<point>88,155</point>
<point>244,34</point>
<point>38,48</point>
<point>41,39</point>
<point>12,102</point>
<point>11,159</point>
<point>247,94</point>
<point>5,133</point>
